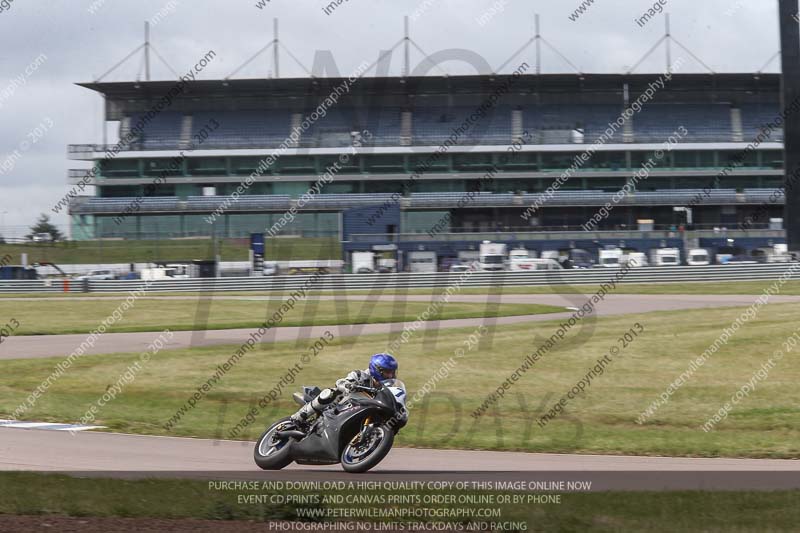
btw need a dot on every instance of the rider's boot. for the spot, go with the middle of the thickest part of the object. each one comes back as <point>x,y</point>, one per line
<point>303,416</point>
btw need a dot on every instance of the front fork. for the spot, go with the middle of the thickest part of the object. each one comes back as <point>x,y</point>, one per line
<point>366,429</point>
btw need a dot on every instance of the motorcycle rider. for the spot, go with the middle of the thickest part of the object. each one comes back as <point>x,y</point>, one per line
<point>382,367</point>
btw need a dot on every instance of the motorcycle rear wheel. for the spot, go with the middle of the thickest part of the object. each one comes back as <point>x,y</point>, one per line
<point>356,459</point>
<point>273,454</point>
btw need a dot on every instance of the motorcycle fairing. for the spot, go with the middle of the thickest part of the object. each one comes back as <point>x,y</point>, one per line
<point>336,427</point>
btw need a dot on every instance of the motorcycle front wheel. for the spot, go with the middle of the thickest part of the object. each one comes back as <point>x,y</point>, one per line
<point>272,453</point>
<point>363,453</point>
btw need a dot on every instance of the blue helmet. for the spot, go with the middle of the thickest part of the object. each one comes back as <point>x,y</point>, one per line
<point>383,367</point>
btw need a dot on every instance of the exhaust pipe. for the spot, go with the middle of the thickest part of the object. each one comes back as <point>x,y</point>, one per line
<point>291,434</point>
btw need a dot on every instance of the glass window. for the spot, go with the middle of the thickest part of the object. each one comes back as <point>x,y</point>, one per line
<point>383,186</point>
<point>423,221</point>
<point>706,159</point>
<point>350,165</point>
<point>243,225</point>
<point>557,160</point>
<point>340,187</point>
<point>682,182</point>
<point>518,161</point>
<point>772,158</point>
<point>385,163</point>
<point>242,166</point>
<point>160,226</point>
<point>654,184</point>
<point>641,158</point>
<point>117,192</point>
<point>481,161</point>
<point>119,167</point>
<point>431,186</point>
<point>739,182</point>
<point>107,226</point>
<point>607,161</point>
<point>195,226</point>
<point>163,166</point>
<point>291,188</point>
<point>207,166</point>
<point>442,163</point>
<point>738,158</point>
<point>296,164</point>
<point>608,184</point>
<point>505,185</point>
<point>685,159</point>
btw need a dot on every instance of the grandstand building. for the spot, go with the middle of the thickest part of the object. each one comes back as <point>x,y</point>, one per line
<point>401,154</point>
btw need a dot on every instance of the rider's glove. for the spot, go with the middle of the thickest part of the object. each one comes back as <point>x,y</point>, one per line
<point>346,387</point>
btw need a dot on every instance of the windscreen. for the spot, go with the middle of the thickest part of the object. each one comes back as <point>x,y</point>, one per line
<point>395,383</point>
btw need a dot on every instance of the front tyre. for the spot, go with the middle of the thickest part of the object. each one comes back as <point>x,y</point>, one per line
<point>272,453</point>
<point>364,452</point>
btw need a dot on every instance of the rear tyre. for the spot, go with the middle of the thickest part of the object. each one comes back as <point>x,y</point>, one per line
<point>272,453</point>
<point>358,457</point>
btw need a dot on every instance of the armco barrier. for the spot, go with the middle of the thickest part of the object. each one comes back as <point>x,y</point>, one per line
<point>340,282</point>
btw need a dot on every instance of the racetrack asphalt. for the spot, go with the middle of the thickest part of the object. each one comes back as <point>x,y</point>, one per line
<point>138,456</point>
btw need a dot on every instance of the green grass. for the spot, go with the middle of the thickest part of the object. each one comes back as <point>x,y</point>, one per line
<point>602,420</point>
<point>47,317</point>
<point>136,251</point>
<point>49,494</point>
<point>791,288</point>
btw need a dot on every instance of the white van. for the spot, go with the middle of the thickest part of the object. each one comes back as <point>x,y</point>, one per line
<point>634,259</point>
<point>422,262</point>
<point>665,256</point>
<point>610,258</point>
<point>698,257</point>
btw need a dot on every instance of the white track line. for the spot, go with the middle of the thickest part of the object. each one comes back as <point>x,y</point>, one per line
<point>51,426</point>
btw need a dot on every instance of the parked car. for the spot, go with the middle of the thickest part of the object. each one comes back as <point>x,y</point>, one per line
<point>270,268</point>
<point>42,237</point>
<point>95,275</point>
<point>464,267</point>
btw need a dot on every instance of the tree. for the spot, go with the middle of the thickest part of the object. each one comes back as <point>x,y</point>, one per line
<point>43,225</point>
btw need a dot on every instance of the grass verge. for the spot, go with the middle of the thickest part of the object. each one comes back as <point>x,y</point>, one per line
<point>48,317</point>
<point>145,251</point>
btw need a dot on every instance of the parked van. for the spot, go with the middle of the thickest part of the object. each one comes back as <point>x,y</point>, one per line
<point>493,256</point>
<point>634,259</point>
<point>610,258</point>
<point>422,262</point>
<point>665,257</point>
<point>698,257</point>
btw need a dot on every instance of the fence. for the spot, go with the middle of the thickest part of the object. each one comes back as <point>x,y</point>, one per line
<point>343,282</point>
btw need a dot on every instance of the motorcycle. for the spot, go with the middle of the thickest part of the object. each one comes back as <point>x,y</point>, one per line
<point>356,432</point>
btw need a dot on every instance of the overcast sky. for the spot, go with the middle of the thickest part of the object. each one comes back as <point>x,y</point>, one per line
<point>79,46</point>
